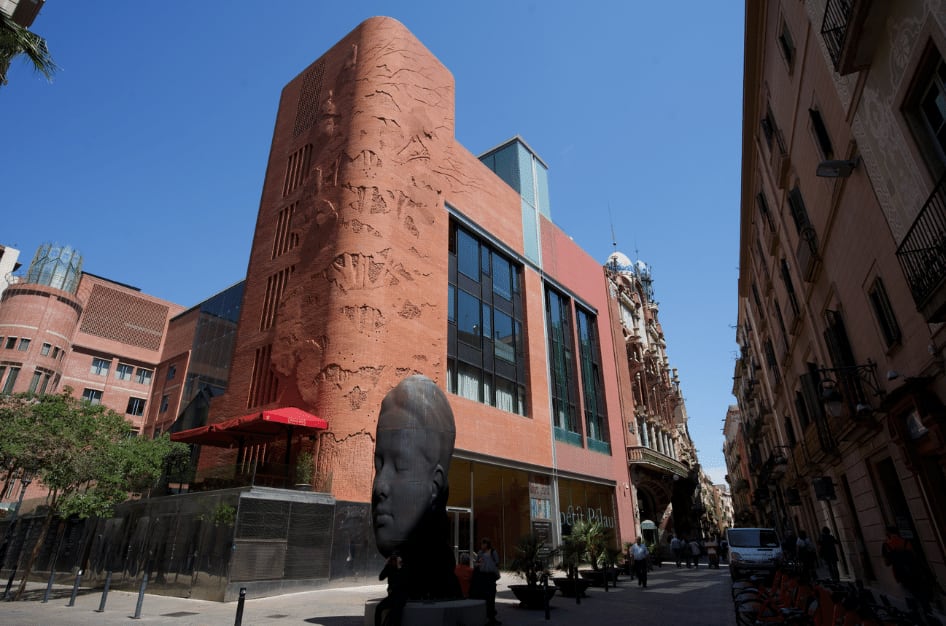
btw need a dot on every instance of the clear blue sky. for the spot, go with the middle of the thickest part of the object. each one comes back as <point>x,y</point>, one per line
<point>147,151</point>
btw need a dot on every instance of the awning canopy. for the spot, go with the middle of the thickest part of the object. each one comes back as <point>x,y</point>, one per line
<point>254,428</point>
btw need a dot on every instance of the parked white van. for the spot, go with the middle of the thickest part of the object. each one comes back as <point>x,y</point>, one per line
<point>753,550</point>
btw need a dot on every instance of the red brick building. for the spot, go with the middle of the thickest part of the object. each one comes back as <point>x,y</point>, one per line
<point>383,248</point>
<point>62,327</point>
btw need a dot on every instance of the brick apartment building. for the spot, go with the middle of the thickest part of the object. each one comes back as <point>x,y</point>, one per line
<point>62,327</point>
<point>842,289</point>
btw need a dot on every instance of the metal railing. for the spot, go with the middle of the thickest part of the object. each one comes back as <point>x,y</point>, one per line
<point>922,253</point>
<point>837,17</point>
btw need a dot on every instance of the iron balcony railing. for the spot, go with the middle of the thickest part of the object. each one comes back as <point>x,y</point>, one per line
<point>922,253</point>
<point>837,17</point>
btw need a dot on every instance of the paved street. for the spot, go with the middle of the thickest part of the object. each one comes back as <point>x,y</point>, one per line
<point>673,597</point>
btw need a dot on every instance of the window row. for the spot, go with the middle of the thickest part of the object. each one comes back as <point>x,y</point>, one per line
<point>23,345</point>
<point>486,359</point>
<point>486,355</point>
<point>135,406</point>
<point>123,371</point>
<point>39,383</point>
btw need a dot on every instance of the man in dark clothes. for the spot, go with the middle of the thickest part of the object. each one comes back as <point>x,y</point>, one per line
<point>396,575</point>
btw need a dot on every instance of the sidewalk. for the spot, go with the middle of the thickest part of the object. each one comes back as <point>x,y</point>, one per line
<point>655,606</point>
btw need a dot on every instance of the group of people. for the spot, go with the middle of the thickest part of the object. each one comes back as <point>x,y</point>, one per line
<point>689,551</point>
<point>806,553</point>
<point>477,580</point>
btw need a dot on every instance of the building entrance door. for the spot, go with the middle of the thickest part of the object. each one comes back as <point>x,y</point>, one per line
<point>461,532</point>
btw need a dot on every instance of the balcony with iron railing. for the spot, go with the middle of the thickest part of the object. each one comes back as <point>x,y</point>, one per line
<point>852,30</point>
<point>922,255</point>
<point>640,456</point>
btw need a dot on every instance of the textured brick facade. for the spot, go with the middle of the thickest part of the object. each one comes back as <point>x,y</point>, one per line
<point>346,291</point>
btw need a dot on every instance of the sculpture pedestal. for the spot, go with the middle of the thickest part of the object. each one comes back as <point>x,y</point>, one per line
<point>440,613</point>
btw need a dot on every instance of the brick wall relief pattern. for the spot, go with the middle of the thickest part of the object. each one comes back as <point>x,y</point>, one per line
<point>123,317</point>
<point>365,306</point>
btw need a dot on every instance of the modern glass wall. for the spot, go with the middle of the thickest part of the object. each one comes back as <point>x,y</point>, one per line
<point>56,266</point>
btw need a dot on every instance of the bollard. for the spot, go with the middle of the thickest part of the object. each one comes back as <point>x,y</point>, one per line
<point>6,592</point>
<point>108,583</point>
<point>239,614</point>
<point>605,572</point>
<point>141,594</point>
<point>545,594</point>
<point>49,583</point>
<point>75,588</point>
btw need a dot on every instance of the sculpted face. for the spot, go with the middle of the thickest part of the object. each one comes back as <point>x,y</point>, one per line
<point>404,488</point>
<point>410,480</point>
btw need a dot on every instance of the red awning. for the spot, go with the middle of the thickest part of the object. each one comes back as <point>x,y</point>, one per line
<point>254,428</point>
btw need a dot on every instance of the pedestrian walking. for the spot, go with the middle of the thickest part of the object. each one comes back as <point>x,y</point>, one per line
<point>828,551</point>
<point>807,555</point>
<point>676,548</point>
<point>712,553</point>
<point>695,550</point>
<point>640,554</point>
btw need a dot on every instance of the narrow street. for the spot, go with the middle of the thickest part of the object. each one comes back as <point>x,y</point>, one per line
<point>673,597</point>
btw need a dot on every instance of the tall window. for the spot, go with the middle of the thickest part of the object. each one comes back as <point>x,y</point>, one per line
<point>562,363</point>
<point>124,371</point>
<point>821,133</point>
<point>589,353</point>
<point>11,379</point>
<point>24,344</point>
<point>883,311</point>
<point>136,406</point>
<point>143,377</point>
<point>94,396</point>
<point>485,354</point>
<point>99,367</point>
<point>925,109</point>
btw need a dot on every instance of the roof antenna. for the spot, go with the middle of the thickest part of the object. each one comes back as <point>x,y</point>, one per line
<point>614,240</point>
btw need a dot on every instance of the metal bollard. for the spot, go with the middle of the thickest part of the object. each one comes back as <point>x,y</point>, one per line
<point>545,594</point>
<point>75,588</point>
<point>141,594</point>
<point>6,592</point>
<point>239,614</point>
<point>49,583</point>
<point>108,583</point>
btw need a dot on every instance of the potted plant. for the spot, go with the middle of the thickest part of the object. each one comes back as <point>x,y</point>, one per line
<point>594,536</point>
<point>531,556</point>
<point>573,549</point>
<point>305,467</point>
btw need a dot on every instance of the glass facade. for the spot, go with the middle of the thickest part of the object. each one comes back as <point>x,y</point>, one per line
<point>56,266</point>
<point>485,353</point>
<point>596,422</point>
<point>524,171</point>
<point>562,367</point>
<point>213,343</point>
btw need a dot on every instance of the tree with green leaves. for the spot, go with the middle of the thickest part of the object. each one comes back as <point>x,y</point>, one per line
<point>16,40</point>
<point>87,456</point>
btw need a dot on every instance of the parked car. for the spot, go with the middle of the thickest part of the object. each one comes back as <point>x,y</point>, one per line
<point>753,550</point>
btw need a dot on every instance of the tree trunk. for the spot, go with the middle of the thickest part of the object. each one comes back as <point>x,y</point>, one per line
<point>35,553</point>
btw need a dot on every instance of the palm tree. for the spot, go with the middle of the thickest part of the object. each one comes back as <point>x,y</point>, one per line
<point>16,40</point>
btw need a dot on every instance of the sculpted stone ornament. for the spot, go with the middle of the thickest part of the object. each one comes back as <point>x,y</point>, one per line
<point>414,443</point>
